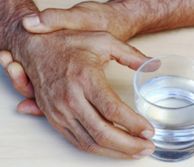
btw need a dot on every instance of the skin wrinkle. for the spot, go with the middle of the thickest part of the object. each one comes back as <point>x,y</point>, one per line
<point>11,17</point>
<point>122,10</point>
<point>129,26</point>
<point>156,15</point>
<point>101,17</point>
<point>58,68</point>
<point>90,142</point>
<point>167,15</point>
<point>153,10</point>
<point>163,9</point>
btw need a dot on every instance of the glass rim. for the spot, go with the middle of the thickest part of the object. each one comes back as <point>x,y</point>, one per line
<point>138,92</point>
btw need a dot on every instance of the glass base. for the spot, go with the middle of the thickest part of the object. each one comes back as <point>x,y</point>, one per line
<point>173,156</point>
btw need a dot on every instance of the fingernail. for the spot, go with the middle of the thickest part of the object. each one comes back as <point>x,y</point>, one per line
<point>148,134</point>
<point>14,70</point>
<point>5,60</point>
<point>31,20</point>
<point>143,154</point>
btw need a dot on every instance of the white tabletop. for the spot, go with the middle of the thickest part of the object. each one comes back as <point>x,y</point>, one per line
<point>27,141</point>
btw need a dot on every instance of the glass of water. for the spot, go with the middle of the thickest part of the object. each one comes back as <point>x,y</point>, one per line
<point>164,95</point>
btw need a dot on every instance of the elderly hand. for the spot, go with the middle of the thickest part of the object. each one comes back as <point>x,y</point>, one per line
<point>90,16</point>
<point>21,83</point>
<point>113,17</point>
<point>71,90</point>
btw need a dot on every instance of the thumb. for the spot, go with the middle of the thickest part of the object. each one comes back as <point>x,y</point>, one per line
<point>51,20</point>
<point>29,106</point>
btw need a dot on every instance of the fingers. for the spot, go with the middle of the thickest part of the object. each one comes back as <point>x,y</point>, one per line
<point>20,80</point>
<point>17,74</point>
<point>76,134</point>
<point>85,141</point>
<point>64,131</point>
<point>125,54</point>
<point>51,20</point>
<point>61,118</point>
<point>103,133</point>
<point>5,58</point>
<point>110,137</point>
<point>107,47</point>
<point>89,16</point>
<point>113,109</point>
<point>88,143</point>
<point>30,107</point>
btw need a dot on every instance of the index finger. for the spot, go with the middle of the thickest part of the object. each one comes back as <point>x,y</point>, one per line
<point>104,133</point>
<point>51,20</point>
<point>101,95</point>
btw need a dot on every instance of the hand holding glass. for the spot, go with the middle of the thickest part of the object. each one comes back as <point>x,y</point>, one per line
<point>164,94</point>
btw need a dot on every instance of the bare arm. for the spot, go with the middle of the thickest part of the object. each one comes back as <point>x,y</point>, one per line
<point>122,18</point>
<point>12,34</point>
<point>158,15</point>
<point>70,87</point>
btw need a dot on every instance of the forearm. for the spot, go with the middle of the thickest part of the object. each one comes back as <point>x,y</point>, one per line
<point>157,15</point>
<point>12,34</point>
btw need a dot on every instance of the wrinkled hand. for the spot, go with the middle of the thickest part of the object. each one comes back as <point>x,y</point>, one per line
<point>87,16</point>
<point>21,83</point>
<point>92,16</point>
<point>72,91</point>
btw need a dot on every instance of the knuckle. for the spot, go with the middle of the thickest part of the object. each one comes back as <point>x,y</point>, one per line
<point>87,72</point>
<point>111,111</point>
<point>92,148</point>
<point>70,100</point>
<point>101,138</point>
<point>83,75</point>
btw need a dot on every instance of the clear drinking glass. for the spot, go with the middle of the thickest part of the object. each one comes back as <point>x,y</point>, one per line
<point>164,95</point>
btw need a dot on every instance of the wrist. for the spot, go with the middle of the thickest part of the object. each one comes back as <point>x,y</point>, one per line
<point>11,15</point>
<point>13,37</point>
<point>132,16</point>
<point>155,15</point>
